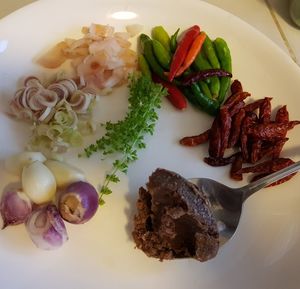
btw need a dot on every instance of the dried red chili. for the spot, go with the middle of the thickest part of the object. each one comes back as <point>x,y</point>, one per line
<point>196,139</point>
<point>272,149</point>
<point>282,115</point>
<point>251,107</point>
<point>214,147</point>
<point>225,128</point>
<point>235,170</point>
<point>255,150</point>
<point>273,166</point>
<point>265,110</point>
<point>236,98</point>
<point>269,166</point>
<point>283,180</point>
<point>219,162</point>
<point>249,120</point>
<point>234,110</point>
<point>236,87</point>
<point>204,74</point>
<point>271,130</point>
<point>236,128</point>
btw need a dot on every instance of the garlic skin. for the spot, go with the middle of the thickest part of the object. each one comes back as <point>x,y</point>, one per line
<point>38,182</point>
<point>15,163</point>
<point>65,174</point>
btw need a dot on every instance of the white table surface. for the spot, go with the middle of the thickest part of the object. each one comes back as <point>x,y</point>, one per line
<point>269,16</point>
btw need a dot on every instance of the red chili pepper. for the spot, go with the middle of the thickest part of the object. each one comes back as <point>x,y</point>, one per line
<point>192,53</point>
<point>182,50</point>
<point>175,96</point>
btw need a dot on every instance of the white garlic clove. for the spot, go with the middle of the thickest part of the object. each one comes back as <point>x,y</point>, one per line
<point>38,182</point>
<point>64,173</point>
<point>15,163</point>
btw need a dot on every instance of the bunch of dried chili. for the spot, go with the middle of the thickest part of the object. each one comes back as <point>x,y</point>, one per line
<point>248,129</point>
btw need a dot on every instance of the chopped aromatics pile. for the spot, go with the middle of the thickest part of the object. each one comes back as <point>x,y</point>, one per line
<point>101,59</point>
<point>60,112</point>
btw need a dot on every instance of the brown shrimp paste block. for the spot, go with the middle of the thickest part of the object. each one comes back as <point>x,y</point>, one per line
<point>174,220</point>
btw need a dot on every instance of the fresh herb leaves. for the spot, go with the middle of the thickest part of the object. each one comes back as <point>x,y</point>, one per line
<point>127,136</point>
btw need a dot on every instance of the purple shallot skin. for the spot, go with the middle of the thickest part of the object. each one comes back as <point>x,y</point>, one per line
<point>15,207</point>
<point>78,203</point>
<point>46,228</point>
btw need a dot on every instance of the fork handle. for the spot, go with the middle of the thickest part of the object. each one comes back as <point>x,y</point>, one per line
<point>251,188</point>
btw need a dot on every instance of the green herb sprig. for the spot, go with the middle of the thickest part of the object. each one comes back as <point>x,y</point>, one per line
<point>127,136</point>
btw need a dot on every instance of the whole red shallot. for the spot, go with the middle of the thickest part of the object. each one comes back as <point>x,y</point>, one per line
<point>46,228</point>
<point>15,207</point>
<point>78,203</point>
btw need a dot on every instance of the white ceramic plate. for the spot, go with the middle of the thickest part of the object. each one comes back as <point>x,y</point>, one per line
<point>263,254</point>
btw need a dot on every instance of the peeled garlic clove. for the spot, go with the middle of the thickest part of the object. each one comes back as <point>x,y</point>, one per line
<point>65,174</point>
<point>15,163</point>
<point>38,182</point>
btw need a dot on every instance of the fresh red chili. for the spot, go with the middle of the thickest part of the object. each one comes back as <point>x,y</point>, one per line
<point>182,50</point>
<point>175,96</point>
<point>192,53</point>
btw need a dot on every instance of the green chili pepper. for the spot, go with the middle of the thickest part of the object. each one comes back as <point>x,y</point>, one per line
<point>143,65</point>
<point>161,54</point>
<point>161,35</point>
<point>204,88</point>
<point>201,63</point>
<point>206,103</point>
<point>210,53</point>
<point>173,41</point>
<point>190,96</point>
<point>149,55</point>
<point>224,56</point>
<point>142,39</point>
